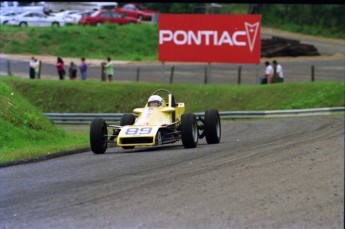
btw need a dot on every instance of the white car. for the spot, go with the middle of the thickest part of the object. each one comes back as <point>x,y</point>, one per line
<point>6,16</point>
<point>71,16</point>
<point>35,19</point>
<point>75,18</point>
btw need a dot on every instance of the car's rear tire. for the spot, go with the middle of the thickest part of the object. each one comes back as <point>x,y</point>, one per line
<point>55,24</point>
<point>23,24</point>
<point>98,136</point>
<point>127,119</point>
<point>189,130</point>
<point>212,126</point>
<point>98,23</point>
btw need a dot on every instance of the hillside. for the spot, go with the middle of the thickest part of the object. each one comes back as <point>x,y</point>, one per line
<point>26,132</point>
<point>95,96</point>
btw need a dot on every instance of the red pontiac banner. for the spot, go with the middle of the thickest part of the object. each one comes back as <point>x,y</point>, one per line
<point>209,38</point>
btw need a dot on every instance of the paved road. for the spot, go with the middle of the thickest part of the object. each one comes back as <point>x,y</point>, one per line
<point>295,71</point>
<point>279,173</point>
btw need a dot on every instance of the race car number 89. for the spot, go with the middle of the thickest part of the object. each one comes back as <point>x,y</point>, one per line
<point>138,131</point>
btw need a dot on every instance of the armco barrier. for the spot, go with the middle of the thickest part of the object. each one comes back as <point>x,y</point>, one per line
<point>114,118</point>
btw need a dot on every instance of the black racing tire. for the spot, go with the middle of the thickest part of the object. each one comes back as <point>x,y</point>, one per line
<point>127,119</point>
<point>140,17</point>
<point>98,136</point>
<point>212,126</point>
<point>189,130</point>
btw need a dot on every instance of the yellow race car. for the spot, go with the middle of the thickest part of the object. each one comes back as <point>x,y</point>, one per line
<point>161,121</point>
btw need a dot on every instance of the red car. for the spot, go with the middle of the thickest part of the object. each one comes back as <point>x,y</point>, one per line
<point>137,11</point>
<point>101,17</point>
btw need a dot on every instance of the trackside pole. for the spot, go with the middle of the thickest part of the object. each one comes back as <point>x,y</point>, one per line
<point>209,72</point>
<point>312,73</point>
<point>257,74</point>
<point>172,74</point>
<point>9,72</point>
<point>138,74</point>
<point>162,72</point>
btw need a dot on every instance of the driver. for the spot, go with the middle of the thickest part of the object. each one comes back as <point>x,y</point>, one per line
<point>155,101</point>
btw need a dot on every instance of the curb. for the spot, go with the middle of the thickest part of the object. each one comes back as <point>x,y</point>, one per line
<point>43,158</point>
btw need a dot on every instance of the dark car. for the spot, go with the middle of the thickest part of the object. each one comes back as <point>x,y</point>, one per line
<point>100,17</point>
<point>136,11</point>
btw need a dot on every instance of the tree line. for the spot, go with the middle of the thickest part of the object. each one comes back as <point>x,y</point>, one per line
<point>323,19</point>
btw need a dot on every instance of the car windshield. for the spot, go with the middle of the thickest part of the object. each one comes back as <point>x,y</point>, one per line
<point>94,14</point>
<point>141,7</point>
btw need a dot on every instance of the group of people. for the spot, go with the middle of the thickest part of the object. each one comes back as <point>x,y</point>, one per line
<point>273,74</point>
<point>107,69</point>
<point>72,70</point>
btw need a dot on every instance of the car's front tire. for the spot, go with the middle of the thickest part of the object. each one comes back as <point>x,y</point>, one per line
<point>212,126</point>
<point>98,136</point>
<point>127,119</point>
<point>189,130</point>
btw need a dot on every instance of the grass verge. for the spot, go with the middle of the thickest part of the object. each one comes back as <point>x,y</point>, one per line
<point>103,97</point>
<point>27,133</point>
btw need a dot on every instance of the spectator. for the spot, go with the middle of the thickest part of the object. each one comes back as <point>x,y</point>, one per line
<point>103,73</point>
<point>60,67</point>
<point>72,71</point>
<point>37,68</point>
<point>278,72</point>
<point>109,67</point>
<point>83,69</point>
<point>268,77</point>
<point>32,69</point>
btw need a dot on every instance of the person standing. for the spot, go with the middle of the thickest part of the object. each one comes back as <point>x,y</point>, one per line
<point>268,77</point>
<point>36,66</point>
<point>110,70</point>
<point>60,67</point>
<point>72,71</point>
<point>278,72</point>
<point>83,69</point>
<point>103,73</point>
<point>32,68</point>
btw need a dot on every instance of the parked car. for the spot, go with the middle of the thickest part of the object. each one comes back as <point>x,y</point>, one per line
<point>76,17</point>
<point>58,6</point>
<point>100,17</point>
<point>137,11</point>
<point>6,16</point>
<point>22,6</point>
<point>35,19</point>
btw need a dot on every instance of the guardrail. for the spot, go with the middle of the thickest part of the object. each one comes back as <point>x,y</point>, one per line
<point>114,118</point>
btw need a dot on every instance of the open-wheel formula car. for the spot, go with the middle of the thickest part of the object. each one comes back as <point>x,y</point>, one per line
<point>161,121</point>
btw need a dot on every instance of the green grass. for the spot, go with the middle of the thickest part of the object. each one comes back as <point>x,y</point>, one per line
<point>130,42</point>
<point>26,132</point>
<point>95,96</point>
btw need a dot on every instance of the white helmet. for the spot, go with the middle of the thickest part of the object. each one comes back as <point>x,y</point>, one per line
<point>155,101</point>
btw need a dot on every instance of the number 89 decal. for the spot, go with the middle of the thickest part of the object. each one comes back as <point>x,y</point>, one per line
<point>138,131</point>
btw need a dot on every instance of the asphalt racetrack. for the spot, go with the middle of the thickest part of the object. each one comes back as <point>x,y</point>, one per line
<point>278,173</point>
